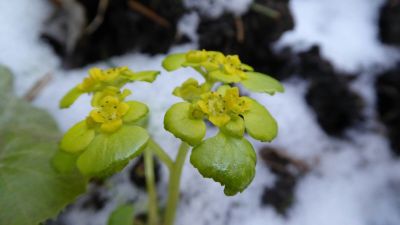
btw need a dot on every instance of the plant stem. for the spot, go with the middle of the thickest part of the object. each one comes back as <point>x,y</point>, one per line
<point>174,183</point>
<point>160,153</point>
<point>151,187</point>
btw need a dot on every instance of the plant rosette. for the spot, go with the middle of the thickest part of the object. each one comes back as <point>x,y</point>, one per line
<point>228,158</point>
<point>110,136</point>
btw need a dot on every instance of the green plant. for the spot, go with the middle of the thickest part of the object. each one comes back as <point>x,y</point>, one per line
<point>113,133</point>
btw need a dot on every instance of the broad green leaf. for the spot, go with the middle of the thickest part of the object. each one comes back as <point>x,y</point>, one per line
<point>122,215</point>
<point>235,127</point>
<point>77,138</point>
<point>64,162</point>
<point>5,80</point>
<point>259,82</point>
<point>246,67</point>
<point>31,191</point>
<point>70,97</point>
<point>259,123</point>
<point>108,153</point>
<point>148,76</point>
<point>174,61</point>
<point>137,111</point>
<point>182,125</point>
<point>224,77</point>
<point>228,160</point>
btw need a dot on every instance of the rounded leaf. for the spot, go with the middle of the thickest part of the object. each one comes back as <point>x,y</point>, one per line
<point>70,97</point>
<point>77,138</point>
<point>224,77</point>
<point>109,153</point>
<point>148,76</point>
<point>137,111</point>
<point>259,123</point>
<point>235,127</point>
<point>179,121</point>
<point>228,160</point>
<point>258,82</point>
<point>174,61</point>
<point>64,162</point>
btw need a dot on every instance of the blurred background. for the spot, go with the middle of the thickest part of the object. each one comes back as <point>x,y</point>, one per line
<point>335,160</point>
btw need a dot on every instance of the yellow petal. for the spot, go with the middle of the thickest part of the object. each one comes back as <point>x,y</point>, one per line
<point>111,126</point>
<point>122,109</point>
<point>219,120</point>
<point>96,116</point>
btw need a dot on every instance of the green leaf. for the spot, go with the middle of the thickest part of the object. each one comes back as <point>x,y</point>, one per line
<point>224,77</point>
<point>228,160</point>
<point>64,162</point>
<point>137,111</point>
<point>179,121</point>
<point>70,97</point>
<point>31,191</point>
<point>259,123</point>
<point>6,83</point>
<point>122,215</point>
<point>108,153</point>
<point>235,127</point>
<point>77,138</point>
<point>259,82</point>
<point>174,61</point>
<point>148,76</point>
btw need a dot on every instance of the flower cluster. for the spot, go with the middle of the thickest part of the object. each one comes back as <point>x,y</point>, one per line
<point>110,135</point>
<point>227,157</point>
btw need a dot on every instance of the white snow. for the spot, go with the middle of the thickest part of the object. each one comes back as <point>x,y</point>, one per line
<point>353,181</point>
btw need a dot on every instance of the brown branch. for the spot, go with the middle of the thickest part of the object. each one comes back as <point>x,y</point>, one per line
<point>239,29</point>
<point>268,154</point>
<point>98,20</point>
<point>38,87</point>
<point>149,13</point>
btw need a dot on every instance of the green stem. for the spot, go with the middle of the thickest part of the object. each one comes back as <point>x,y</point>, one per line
<point>174,182</point>
<point>160,153</point>
<point>151,187</point>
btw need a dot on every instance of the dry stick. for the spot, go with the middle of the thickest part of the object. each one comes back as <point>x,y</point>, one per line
<point>38,87</point>
<point>239,29</point>
<point>265,10</point>
<point>98,20</point>
<point>149,13</point>
<point>299,164</point>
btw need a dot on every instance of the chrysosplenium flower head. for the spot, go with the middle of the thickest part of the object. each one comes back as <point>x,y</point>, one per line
<point>227,157</point>
<point>110,135</point>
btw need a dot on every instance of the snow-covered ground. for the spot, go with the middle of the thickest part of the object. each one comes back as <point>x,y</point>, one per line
<point>353,181</point>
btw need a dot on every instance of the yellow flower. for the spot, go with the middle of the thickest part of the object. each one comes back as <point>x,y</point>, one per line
<point>109,113</point>
<point>233,66</point>
<point>196,56</point>
<point>190,90</point>
<point>221,106</point>
<point>213,106</point>
<point>112,91</point>
<point>98,78</point>
<point>234,103</point>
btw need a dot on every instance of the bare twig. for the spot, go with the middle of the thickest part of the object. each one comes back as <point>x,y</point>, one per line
<point>98,20</point>
<point>265,10</point>
<point>149,13</point>
<point>239,29</point>
<point>38,87</point>
<point>302,166</point>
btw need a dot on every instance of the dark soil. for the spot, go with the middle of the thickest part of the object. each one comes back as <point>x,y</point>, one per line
<point>137,173</point>
<point>124,28</point>
<point>389,22</point>
<point>388,104</point>
<point>336,106</point>
<point>288,170</point>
